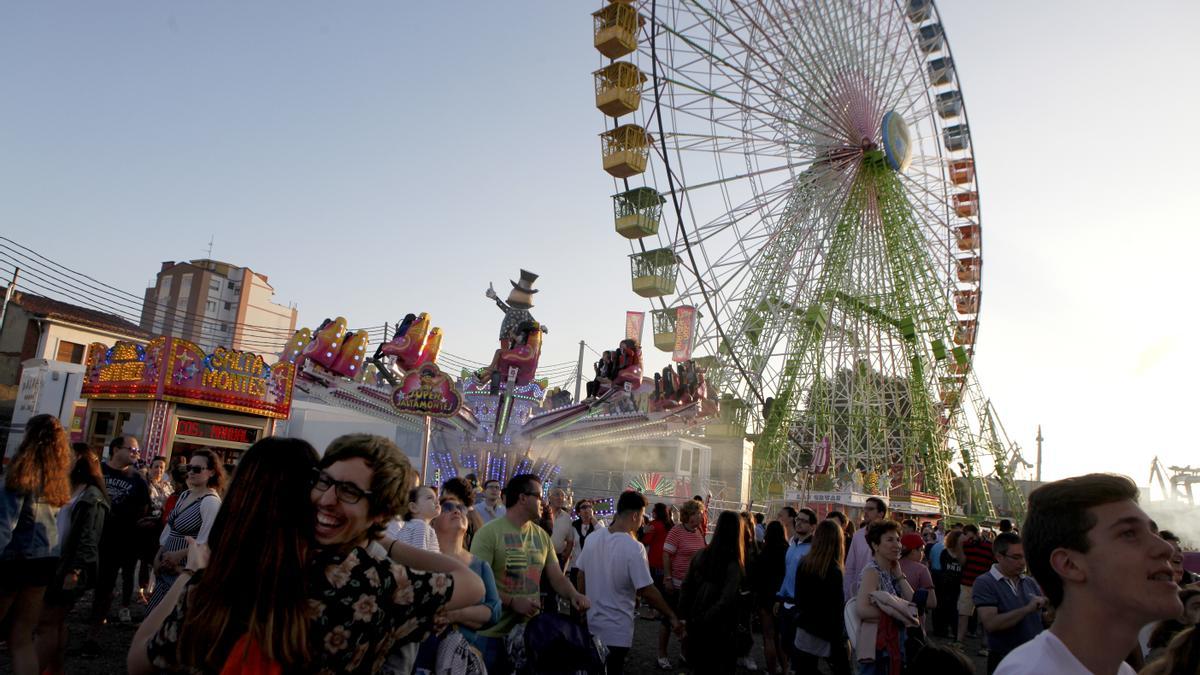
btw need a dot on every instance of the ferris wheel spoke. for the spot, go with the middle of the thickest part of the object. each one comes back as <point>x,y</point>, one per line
<point>729,71</point>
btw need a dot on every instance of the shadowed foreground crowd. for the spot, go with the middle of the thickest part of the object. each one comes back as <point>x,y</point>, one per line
<point>342,563</point>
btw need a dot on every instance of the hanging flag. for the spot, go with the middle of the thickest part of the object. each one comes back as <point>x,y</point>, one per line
<point>820,456</point>
<point>685,333</point>
<point>633,326</point>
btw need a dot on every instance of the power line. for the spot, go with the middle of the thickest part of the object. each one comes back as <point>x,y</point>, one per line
<point>54,283</point>
<point>57,281</point>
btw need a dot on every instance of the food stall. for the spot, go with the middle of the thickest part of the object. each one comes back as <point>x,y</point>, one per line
<point>174,398</point>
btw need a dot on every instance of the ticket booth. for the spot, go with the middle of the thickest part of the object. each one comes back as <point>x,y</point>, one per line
<point>175,398</point>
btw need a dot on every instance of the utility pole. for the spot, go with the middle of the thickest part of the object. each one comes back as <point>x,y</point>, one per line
<point>1039,459</point>
<point>579,372</point>
<point>12,288</point>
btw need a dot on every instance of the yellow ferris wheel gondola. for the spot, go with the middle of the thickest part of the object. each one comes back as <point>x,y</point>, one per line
<point>618,88</point>
<point>616,29</point>
<point>626,150</point>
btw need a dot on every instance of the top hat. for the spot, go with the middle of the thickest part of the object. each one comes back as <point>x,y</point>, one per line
<point>526,282</point>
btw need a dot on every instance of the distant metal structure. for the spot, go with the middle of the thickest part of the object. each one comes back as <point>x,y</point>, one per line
<point>1181,480</point>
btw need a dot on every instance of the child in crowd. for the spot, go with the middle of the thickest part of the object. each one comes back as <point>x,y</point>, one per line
<point>417,532</point>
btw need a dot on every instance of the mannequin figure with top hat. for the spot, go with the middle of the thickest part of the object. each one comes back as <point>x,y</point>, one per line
<point>516,309</point>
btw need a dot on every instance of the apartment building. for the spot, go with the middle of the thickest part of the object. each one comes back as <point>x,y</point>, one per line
<point>214,303</point>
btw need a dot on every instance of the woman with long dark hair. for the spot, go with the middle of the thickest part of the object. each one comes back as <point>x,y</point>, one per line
<point>708,600</point>
<point>193,516</point>
<point>744,638</point>
<point>253,597</point>
<point>654,537</point>
<point>820,628</point>
<point>80,524</point>
<point>32,489</point>
<point>767,578</point>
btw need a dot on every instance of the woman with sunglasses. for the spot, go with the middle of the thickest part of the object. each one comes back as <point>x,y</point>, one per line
<point>451,528</point>
<point>192,516</point>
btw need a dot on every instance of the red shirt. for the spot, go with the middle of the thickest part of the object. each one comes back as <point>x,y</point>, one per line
<point>979,559</point>
<point>654,537</point>
<point>682,545</point>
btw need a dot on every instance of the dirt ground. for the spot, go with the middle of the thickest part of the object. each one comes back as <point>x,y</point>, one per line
<point>115,639</point>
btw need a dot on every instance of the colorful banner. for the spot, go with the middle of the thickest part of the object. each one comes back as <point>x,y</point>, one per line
<point>685,333</point>
<point>427,391</point>
<point>821,456</point>
<point>171,369</point>
<point>633,326</point>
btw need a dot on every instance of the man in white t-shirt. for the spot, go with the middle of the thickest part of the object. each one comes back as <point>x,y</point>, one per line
<point>1090,547</point>
<point>613,569</point>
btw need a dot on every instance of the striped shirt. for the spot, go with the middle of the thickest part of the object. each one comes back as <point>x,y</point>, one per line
<point>681,545</point>
<point>979,559</point>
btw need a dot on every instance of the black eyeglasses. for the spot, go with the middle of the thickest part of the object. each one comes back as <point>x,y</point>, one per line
<point>536,495</point>
<point>346,492</point>
<point>192,468</point>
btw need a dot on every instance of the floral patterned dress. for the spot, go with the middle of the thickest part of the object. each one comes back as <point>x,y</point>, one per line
<point>360,606</point>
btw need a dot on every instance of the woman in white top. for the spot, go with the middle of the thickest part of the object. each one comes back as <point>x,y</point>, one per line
<point>416,531</point>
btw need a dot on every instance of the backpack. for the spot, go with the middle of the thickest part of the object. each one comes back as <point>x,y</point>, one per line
<point>552,644</point>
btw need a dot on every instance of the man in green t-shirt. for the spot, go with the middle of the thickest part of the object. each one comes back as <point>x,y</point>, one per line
<point>519,552</point>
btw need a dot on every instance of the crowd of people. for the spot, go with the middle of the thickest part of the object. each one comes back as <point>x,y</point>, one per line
<point>341,562</point>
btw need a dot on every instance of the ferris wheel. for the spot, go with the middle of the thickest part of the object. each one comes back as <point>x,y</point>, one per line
<point>800,172</point>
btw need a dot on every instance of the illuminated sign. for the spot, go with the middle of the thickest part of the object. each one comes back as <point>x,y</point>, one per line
<point>216,432</point>
<point>427,391</point>
<point>171,369</point>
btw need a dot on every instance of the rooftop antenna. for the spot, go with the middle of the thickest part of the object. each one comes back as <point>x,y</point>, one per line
<point>211,238</point>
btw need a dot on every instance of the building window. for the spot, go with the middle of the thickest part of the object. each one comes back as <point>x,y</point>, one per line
<point>214,285</point>
<point>211,306</point>
<point>224,328</point>
<point>185,289</point>
<point>228,306</point>
<point>70,352</point>
<point>231,285</point>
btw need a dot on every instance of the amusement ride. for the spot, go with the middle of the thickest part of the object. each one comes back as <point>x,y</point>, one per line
<point>798,178</point>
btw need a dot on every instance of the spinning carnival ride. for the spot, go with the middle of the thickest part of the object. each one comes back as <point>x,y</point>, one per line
<point>801,173</point>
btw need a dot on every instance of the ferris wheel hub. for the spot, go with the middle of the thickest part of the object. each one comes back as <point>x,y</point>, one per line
<point>897,143</point>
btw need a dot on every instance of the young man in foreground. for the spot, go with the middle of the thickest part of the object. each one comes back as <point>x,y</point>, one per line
<point>1090,547</point>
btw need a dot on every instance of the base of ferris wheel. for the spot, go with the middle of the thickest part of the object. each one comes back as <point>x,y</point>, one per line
<point>848,492</point>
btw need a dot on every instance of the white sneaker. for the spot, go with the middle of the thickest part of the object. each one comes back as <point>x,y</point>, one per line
<point>123,615</point>
<point>749,664</point>
<point>664,663</point>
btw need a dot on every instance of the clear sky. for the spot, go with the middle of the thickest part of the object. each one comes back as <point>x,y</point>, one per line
<point>377,158</point>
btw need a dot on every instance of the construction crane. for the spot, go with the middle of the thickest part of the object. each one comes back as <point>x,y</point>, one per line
<point>1181,480</point>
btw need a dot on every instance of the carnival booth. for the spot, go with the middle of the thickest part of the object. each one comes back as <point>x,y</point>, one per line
<point>174,398</point>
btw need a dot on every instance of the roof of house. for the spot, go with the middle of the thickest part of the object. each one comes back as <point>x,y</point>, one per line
<point>83,316</point>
